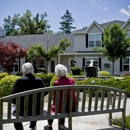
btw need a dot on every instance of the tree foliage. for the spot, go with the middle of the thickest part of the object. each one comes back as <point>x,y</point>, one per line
<point>37,51</point>
<point>9,52</point>
<point>26,24</point>
<point>66,24</point>
<point>115,42</point>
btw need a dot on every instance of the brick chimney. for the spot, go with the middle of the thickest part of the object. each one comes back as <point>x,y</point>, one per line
<point>2,32</point>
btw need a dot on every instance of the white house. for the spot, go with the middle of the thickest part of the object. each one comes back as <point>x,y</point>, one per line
<point>79,53</point>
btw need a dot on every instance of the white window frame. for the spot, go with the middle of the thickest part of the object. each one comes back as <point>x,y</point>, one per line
<point>94,39</point>
<point>126,64</point>
<point>91,58</point>
<point>39,63</point>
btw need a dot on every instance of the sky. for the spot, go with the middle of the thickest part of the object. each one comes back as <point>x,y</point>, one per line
<point>84,12</point>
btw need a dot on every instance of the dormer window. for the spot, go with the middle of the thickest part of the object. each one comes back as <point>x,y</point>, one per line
<point>94,40</point>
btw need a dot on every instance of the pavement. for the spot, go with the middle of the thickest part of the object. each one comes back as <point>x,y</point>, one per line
<point>93,122</point>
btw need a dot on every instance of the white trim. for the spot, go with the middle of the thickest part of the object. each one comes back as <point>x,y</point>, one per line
<point>125,23</point>
<point>92,53</point>
<point>79,32</point>
<point>94,22</point>
<point>94,39</point>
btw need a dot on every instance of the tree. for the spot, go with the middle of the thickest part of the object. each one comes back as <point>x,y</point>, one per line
<point>37,51</point>
<point>115,42</point>
<point>9,26</point>
<point>9,52</point>
<point>66,24</point>
<point>26,24</point>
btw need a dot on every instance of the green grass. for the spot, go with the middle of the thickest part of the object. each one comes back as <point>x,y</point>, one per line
<point>127,122</point>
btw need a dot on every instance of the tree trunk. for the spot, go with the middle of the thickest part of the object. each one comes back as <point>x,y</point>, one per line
<point>47,67</point>
<point>113,68</point>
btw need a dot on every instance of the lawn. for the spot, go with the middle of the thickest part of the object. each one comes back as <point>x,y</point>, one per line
<point>127,123</point>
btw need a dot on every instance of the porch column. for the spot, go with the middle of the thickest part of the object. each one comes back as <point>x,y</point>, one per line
<point>58,59</point>
<point>77,59</point>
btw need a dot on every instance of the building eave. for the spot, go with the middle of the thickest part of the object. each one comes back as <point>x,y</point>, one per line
<point>94,22</point>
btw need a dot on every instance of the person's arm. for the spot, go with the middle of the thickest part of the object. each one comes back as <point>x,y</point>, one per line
<point>42,84</point>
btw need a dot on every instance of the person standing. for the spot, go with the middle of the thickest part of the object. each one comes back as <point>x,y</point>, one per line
<point>25,83</point>
<point>61,72</point>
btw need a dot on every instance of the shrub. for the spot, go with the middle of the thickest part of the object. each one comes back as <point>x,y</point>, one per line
<point>19,74</point>
<point>110,82</point>
<point>2,75</point>
<point>76,71</point>
<point>55,78</point>
<point>46,78</point>
<point>125,74</point>
<point>6,84</point>
<point>104,73</point>
<point>40,70</point>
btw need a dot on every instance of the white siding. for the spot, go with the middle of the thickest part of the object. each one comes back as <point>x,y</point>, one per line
<point>94,29</point>
<point>80,42</point>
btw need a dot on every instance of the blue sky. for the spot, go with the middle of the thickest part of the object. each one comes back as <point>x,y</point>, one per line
<point>84,12</point>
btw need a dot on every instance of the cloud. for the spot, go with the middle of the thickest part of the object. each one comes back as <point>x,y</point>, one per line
<point>105,8</point>
<point>126,12</point>
<point>129,7</point>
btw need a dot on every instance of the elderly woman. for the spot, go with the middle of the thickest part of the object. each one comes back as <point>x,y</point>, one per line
<point>25,83</point>
<point>61,72</point>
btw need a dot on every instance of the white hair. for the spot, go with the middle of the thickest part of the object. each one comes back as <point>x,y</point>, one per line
<point>60,70</point>
<point>27,68</point>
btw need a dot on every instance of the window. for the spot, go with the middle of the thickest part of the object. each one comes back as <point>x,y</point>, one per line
<point>126,64</point>
<point>94,40</point>
<point>128,34</point>
<point>15,67</point>
<point>91,40</point>
<point>33,61</point>
<point>41,63</point>
<point>87,61</point>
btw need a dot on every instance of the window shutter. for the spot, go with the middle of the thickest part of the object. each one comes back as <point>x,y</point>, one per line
<point>83,62</point>
<point>100,63</point>
<point>120,65</point>
<point>86,40</point>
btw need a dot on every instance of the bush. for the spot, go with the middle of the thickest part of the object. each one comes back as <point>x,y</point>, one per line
<point>40,70</point>
<point>76,71</point>
<point>125,74</point>
<point>19,74</point>
<point>6,84</point>
<point>55,78</point>
<point>104,73</point>
<point>110,82</point>
<point>2,75</point>
<point>46,78</point>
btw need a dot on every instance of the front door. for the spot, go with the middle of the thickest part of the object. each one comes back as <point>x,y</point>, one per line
<point>71,62</point>
<point>52,65</point>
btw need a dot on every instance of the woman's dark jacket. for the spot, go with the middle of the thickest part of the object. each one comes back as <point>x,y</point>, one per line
<point>28,82</point>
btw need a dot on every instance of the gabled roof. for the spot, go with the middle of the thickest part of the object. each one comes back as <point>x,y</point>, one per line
<point>121,23</point>
<point>27,40</point>
<point>126,23</point>
<point>80,30</point>
<point>94,22</point>
<point>101,26</point>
